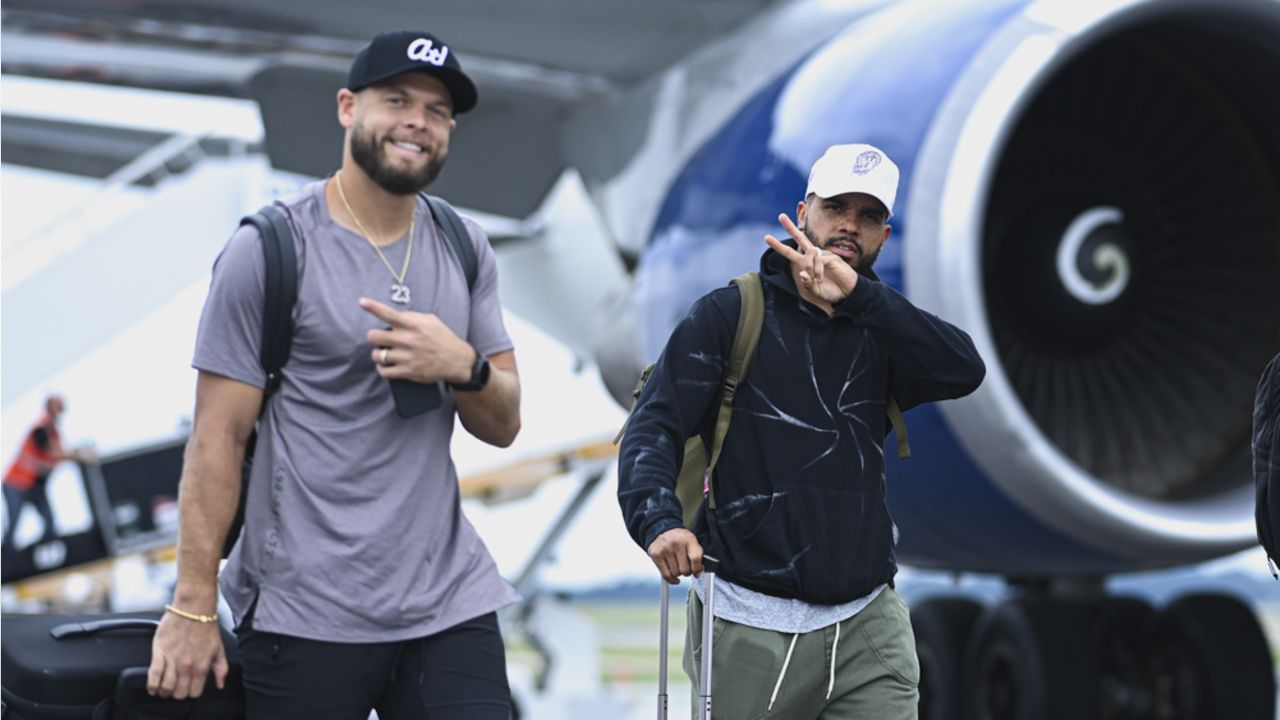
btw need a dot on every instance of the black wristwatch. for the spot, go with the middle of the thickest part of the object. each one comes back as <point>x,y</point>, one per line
<point>479,376</point>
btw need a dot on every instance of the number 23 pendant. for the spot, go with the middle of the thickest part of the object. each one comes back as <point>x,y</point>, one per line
<point>400,293</point>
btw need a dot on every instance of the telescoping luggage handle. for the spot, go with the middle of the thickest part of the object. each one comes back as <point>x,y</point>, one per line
<point>709,565</point>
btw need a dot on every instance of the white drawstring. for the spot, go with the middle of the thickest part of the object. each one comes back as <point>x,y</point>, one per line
<point>832,683</point>
<point>783,674</point>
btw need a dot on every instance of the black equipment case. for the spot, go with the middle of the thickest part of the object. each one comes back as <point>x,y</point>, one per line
<point>95,666</point>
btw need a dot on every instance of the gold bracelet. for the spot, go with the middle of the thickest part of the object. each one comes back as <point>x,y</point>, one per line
<point>190,616</point>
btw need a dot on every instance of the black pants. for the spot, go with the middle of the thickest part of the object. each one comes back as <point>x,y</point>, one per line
<point>455,674</point>
<point>14,499</point>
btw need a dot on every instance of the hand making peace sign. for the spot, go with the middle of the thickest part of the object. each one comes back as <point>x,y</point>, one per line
<point>824,274</point>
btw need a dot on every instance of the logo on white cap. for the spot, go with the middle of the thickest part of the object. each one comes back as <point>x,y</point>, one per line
<point>422,50</point>
<point>866,162</point>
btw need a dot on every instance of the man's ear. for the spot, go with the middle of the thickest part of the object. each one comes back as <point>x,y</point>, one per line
<point>800,214</point>
<point>346,108</point>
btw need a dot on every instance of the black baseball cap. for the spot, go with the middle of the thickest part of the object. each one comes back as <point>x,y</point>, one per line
<point>390,54</point>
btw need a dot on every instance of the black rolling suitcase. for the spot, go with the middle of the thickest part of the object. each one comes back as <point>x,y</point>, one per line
<point>95,666</point>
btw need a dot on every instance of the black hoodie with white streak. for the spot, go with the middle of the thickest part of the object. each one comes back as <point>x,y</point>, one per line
<point>800,503</point>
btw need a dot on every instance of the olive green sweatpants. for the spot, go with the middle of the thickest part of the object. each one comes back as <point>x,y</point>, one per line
<point>876,674</point>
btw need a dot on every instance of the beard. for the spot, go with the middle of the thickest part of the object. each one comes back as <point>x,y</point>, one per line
<point>864,261</point>
<point>369,152</point>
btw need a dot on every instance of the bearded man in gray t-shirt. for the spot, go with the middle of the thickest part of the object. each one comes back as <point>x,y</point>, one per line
<point>357,582</point>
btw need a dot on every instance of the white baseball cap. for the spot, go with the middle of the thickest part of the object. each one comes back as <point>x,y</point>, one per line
<point>855,168</point>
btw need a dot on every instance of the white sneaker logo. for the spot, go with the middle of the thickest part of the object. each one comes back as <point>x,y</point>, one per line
<point>866,162</point>
<point>422,51</point>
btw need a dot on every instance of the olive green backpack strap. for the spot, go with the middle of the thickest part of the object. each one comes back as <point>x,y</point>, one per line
<point>750,321</point>
<point>635,398</point>
<point>899,428</point>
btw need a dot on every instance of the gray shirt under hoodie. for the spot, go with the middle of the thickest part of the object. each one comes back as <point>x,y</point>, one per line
<point>353,529</point>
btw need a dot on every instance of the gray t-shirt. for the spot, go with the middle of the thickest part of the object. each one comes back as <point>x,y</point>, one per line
<point>353,529</point>
<point>786,615</point>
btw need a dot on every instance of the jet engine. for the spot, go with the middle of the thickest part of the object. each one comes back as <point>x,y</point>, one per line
<point>1093,193</point>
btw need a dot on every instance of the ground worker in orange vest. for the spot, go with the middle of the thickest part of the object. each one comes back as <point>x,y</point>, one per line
<point>27,476</point>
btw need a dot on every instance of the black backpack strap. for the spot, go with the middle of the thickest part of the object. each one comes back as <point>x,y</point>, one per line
<point>458,237</point>
<point>280,291</point>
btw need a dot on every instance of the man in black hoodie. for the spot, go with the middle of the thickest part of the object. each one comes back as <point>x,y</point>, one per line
<point>800,526</point>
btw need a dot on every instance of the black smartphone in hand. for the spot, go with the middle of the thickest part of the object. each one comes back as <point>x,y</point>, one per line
<point>413,398</point>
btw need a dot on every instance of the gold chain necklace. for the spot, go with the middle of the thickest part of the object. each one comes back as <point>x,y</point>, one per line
<point>399,291</point>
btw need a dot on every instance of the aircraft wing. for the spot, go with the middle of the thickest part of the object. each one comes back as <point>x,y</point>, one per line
<point>531,61</point>
<point>573,96</point>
